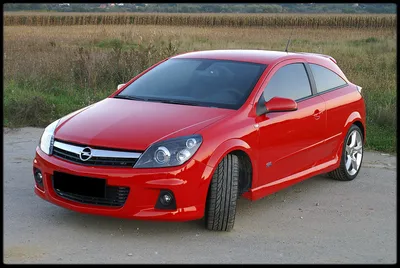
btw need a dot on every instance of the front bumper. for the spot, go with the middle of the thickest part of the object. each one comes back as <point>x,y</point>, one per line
<point>187,182</point>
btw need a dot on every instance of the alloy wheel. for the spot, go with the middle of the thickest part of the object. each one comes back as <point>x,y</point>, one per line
<point>354,152</point>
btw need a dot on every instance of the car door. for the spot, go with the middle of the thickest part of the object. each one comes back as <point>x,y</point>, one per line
<point>290,142</point>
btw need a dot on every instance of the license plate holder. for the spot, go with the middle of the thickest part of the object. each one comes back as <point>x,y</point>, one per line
<point>85,186</point>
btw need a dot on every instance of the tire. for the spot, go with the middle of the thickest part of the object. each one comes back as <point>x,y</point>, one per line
<point>342,173</point>
<point>222,195</point>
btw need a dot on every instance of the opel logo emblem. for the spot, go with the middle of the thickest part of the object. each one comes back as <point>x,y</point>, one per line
<point>85,154</point>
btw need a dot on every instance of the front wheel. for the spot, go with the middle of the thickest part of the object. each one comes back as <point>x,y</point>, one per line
<point>222,195</point>
<point>352,155</point>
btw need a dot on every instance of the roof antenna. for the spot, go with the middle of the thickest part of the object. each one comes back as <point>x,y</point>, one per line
<point>288,42</point>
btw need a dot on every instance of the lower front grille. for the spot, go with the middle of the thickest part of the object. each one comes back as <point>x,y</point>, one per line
<point>87,190</point>
<point>116,199</point>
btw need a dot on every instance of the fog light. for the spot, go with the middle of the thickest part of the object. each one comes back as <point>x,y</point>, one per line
<point>166,200</point>
<point>38,177</point>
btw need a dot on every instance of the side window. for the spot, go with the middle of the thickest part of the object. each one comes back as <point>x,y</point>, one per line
<point>290,81</point>
<point>325,79</point>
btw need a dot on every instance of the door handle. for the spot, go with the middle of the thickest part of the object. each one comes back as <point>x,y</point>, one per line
<point>317,114</point>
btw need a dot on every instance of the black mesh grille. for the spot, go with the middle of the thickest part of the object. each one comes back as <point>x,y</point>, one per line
<point>94,161</point>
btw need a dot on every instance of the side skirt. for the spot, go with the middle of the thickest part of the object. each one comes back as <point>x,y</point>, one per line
<point>275,186</point>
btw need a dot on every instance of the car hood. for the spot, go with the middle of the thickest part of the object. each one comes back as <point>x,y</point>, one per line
<point>134,125</point>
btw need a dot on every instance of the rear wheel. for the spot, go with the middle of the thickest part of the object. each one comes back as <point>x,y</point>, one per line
<point>352,155</point>
<point>222,195</point>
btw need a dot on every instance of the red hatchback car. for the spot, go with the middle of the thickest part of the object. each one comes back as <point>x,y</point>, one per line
<point>187,137</point>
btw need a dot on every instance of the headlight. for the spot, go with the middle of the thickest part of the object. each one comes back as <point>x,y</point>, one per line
<point>47,139</point>
<point>169,153</point>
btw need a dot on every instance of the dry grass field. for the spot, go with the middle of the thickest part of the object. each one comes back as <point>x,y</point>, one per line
<point>202,19</point>
<point>53,70</point>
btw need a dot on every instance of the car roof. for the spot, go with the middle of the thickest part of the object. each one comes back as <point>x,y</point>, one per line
<point>247,55</point>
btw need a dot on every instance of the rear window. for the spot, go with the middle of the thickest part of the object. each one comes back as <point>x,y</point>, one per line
<point>201,82</point>
<point>326,79</point>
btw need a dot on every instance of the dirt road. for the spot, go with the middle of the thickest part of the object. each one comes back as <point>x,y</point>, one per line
<point>317,221</point>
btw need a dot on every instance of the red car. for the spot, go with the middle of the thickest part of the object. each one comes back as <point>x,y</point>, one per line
<point>187,137</point>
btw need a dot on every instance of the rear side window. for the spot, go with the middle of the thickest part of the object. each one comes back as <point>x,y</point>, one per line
<point>325,79</point>
<point>290,81</point>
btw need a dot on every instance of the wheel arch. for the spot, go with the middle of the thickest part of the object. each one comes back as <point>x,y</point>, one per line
<point>355,119</point>
<point>239,148</point>
<point>359,124</point>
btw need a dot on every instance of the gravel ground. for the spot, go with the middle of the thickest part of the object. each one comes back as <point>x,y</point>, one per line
<point>316,221</point>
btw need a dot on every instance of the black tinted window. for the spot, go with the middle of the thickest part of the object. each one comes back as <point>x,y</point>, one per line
<point>203,82</point>
<point>290,81</point>
<point>325,79</point>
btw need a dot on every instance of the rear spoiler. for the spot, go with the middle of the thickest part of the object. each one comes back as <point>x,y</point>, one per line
<point>329,57</point>
<point>321,55</point>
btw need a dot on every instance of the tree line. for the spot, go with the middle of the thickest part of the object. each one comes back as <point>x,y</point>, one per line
<point>207,8</point>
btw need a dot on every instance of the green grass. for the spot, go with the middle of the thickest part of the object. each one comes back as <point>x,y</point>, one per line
<point>369,40</point>
<point>381,138</point>
<point>25,105</point>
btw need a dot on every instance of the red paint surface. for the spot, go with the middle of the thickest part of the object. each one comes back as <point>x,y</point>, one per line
<point>277,104</point>
<point>299,144</point>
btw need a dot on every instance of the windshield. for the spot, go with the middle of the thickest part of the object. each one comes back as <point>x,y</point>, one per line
<point>200,82</point>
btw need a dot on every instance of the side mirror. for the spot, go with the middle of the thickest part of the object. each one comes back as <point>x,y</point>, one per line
<point>278,104</point>
<point>120,85</point>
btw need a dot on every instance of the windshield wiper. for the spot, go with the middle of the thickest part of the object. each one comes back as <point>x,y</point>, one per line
<point>126,97</point>
<point>175,102</point>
